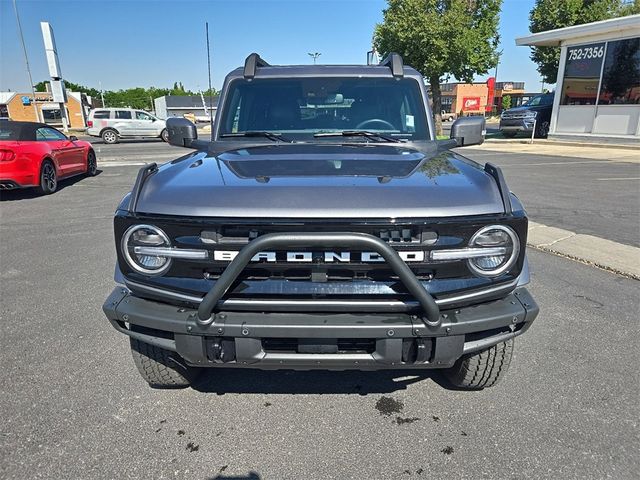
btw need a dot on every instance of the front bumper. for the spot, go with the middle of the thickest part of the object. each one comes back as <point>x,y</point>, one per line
<point>517,125</point>
<point>335,341</point>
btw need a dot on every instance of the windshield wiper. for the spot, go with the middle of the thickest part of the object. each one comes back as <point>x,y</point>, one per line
<point>358,133</point>
<point>276,137</point>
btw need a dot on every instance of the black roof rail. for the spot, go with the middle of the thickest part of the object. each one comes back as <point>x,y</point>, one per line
<point>251,64</point>
<point>394,62</point>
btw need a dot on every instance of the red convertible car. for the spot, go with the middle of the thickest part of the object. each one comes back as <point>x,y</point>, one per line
<point>38,155</point>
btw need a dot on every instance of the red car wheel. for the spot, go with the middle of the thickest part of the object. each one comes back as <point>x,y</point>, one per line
<point>48,178</point>
<point>92,164</point>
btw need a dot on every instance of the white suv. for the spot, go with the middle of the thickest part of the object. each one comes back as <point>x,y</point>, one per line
<point>114,123</point>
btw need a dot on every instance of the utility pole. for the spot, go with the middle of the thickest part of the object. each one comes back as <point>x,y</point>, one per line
<point>498,63</point>
<point>315,56</point>
<point>26,61</point>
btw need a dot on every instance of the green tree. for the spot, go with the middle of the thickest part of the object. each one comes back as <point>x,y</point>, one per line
<point>552,14</point>
<point>138,97</point>
<point>441,38</point>
<point>506,102</point>
<point>69,86</point>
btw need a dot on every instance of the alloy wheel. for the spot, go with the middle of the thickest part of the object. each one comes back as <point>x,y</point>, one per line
<point>109,137</point>
<point>92,165</point>
<point>49,180</point>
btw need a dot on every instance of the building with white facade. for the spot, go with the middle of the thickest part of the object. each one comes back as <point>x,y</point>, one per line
<point>598,84</point>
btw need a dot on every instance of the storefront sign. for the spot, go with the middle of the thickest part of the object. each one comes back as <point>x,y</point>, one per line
<point>584,61</point>
<point>491,88</point>
<point>471,103</point>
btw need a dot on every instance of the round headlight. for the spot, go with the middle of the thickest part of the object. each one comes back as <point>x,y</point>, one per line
<point>504,246</point>
<point>145,236</point>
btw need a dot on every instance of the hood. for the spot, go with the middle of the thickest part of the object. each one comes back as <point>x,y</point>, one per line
<point>321,181</point>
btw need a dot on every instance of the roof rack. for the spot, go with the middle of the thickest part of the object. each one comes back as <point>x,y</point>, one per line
<point>394,62</point>
<point>251,64</point>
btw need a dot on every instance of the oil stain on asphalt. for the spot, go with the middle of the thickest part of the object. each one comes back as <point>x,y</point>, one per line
<point>388,406</point>
<point>402,421</point>
<point>448,450</point>
<point>193,447</point>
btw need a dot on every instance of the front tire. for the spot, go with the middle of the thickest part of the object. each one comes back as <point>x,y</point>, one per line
<point>482,369</point>
<point>109,136</point>
<point>164,135</point>
<point>92,164</point>
<point>542,130</point>
<point>161,368</point>
<point>48,178</point>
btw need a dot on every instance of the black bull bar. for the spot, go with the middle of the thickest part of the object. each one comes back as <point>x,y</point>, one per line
<point>355,240</point>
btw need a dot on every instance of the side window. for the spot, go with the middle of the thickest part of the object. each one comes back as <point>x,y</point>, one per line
<point>49,134</point>
<point>123,114</point>
<point>101,114</point>
<point>143,116</point>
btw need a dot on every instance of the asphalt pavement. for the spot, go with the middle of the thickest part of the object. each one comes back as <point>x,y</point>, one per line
<point>599,197</point>
<point>74,405</point>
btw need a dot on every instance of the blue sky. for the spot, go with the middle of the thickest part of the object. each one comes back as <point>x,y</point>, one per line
<point>156,42</point>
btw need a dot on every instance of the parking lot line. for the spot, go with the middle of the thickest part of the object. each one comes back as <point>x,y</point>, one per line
<point>544,164</point>
<point>618,178</point>
<point>120,164</point>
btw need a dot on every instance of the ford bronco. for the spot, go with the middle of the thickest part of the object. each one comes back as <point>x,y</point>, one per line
<point>323,226</point>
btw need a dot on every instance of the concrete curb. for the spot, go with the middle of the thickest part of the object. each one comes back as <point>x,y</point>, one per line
<point>559,143</point>
<point>612,256</point>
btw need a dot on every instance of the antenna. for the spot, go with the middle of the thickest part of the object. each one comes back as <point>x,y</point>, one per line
<point>210,90</point>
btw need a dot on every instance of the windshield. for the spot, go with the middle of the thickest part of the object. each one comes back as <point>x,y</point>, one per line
<point>540,100</point>
<point>302,107</point>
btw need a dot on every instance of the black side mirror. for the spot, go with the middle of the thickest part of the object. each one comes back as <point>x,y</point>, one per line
<point>73,138</point>
<point>182,133</point>
<point>468,131</point>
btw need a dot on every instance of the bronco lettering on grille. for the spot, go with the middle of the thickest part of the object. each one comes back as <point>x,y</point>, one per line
<point>317,257</point>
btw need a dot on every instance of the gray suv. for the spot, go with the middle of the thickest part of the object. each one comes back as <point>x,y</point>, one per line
<point>323,227</point>
<point>112,124</point>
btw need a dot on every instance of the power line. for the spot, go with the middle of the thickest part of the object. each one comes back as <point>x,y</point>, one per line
<point>26,59</point>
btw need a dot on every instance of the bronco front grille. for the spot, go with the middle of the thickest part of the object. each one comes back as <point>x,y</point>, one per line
<point>242,235</point>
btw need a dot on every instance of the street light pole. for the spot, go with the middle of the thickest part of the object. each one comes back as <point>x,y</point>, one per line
<point>315,56</point>
<point>497,63</point>
<point>26,60</point>
<point>101,92</point>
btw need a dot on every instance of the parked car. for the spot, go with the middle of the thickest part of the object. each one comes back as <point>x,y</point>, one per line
<point>38,155</point>
<point>522,119</point>
<point>112,124</point>
<point>324,227</point>
<point>448,116</point>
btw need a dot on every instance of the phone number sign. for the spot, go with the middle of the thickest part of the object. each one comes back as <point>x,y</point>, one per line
<point>584,61</point>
